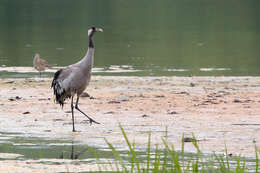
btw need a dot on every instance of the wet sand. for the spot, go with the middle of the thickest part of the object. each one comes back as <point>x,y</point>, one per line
<point>218,110</point>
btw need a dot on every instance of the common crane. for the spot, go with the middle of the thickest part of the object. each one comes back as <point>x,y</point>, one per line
<point>73,79</point>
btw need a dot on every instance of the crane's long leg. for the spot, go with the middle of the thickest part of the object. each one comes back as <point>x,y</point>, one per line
<point>90,119</point>
<point>72,113</point>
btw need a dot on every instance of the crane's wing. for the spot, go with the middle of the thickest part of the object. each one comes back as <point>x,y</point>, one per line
<point>59,90</point>
<point>63,73</point>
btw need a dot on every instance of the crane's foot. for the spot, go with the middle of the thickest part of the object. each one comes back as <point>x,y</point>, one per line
<point>93,121</point>
<point>73,130</point>
<point>90,119</point>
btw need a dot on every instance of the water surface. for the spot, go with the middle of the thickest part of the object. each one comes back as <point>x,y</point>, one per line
<point>51,151</point>
<point>169,37</point>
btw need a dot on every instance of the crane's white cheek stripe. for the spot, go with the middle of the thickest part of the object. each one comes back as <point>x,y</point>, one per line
<point>89,31</point>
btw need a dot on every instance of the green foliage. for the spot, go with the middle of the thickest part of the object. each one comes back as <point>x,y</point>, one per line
<point>170,161</point>
<point>256,156</point>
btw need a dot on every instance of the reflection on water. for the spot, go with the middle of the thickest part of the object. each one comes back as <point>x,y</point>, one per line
<point>39,148</point>
<point>151,36</point>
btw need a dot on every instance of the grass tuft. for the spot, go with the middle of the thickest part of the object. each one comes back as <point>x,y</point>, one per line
<point>171,161</point>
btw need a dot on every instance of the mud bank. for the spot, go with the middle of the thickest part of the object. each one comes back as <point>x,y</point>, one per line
<point>218,110</point>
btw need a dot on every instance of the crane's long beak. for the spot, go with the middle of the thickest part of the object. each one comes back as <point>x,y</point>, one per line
<point>99,29</point>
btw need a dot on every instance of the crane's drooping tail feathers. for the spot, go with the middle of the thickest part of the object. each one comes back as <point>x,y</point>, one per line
<point>58,90</point>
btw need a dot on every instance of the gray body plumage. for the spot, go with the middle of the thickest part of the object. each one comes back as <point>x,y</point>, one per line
<point>74,78</point>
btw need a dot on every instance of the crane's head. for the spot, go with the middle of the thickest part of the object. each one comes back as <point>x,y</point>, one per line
<point>93,29</point>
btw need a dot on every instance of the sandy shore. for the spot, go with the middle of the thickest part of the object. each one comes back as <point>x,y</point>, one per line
<point>218,110</point>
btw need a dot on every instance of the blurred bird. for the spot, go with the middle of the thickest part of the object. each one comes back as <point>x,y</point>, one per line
<point>73,79</point>
<point>40,64</point>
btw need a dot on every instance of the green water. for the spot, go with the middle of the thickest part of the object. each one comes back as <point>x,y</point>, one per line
<point>167,37</point>
<point>42,148</point>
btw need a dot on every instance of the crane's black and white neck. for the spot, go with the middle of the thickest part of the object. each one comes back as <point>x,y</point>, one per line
<point>91,32</point>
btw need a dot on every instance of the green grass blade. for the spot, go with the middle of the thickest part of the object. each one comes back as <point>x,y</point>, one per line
<point>165,160</point>
<point>133,159</point>
<point>177,162</point>
<point>132,164</point>
<point>182,150</point>
<point>148,153</point>
<point>238,168</point>
<point>157,160</point>
<point>96,156</point>
<point>187,169</point>
<point>195,167</point>
<point>227,159</point>
<point>174,157</point>
<point>256,161</point>
<point>195,143</point>
<point>244,165</point>
<point>130,148</point>
<point>117,155</point>
<point>221,163</point>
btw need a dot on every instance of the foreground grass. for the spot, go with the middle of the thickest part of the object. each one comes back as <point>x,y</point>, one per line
<point>172,161</point>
